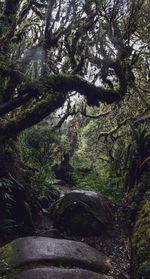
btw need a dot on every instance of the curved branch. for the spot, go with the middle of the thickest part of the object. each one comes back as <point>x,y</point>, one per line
<point>9,106</point>
<point>31,116</point>
<point>55,89</point>
<point>124,122</point>
<point>62,83</point>
<point>94,94</point>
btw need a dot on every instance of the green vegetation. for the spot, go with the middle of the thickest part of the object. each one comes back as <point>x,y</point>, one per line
<point>140,241</point>
<point>7,201</point>
<point>39,148</point>
<point>112,187</point>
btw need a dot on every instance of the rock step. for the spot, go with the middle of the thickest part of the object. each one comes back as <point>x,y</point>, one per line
<point>36,249</point>
<point>59,273</point>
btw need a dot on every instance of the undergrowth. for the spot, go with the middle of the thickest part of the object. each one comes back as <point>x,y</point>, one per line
<point>112,187</point>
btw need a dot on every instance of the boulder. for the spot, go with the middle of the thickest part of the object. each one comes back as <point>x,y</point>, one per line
<point>36,250</point>
<point>59,273</point>
<point>82,213</point>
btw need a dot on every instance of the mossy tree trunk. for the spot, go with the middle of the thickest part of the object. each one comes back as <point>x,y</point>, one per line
<point>139,216</point>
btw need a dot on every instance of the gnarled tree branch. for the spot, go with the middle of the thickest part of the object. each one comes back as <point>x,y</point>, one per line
<point>62,83</point>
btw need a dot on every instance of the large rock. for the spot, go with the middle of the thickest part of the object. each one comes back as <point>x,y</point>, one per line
<point>82,212</point>
<point>27,250</point>
<point>59,273</point>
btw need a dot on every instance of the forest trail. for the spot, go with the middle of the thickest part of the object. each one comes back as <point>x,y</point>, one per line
<point>114,244</point>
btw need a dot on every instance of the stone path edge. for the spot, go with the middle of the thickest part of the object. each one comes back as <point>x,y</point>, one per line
<point>59,273</point>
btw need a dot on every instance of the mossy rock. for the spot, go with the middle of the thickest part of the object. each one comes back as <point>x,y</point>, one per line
<point>37,252</point>
<point>82,213</point>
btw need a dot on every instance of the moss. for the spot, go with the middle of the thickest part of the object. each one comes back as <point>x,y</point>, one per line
<point>136,198</point>
<point>10,271</point>
<point>141,240</point>
<point>6,254</point>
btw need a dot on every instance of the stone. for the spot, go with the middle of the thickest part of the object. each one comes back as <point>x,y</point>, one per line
<point>32,249</point>
<point>59,273</point>
<point>82,212</point>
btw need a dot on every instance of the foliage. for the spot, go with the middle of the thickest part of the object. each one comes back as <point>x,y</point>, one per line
<point>40,185</point>
<point>40,148</point>
<point>140,241</point>
<point>7,201</point>
<point>109,186</point>
<point>5,270</point>
<point>138,155</point>
<point>43,68</point>
<point>86,48</point>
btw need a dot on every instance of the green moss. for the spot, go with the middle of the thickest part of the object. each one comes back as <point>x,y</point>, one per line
<point>10,271</point>
<point>6,253</point>
<point>141,240</point>
<point>137,197</point>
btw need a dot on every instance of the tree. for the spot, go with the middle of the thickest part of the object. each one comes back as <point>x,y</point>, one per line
<point>50,49</point>
<point>47,49</point>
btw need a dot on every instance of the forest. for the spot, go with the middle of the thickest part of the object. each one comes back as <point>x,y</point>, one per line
<point>75,122</point>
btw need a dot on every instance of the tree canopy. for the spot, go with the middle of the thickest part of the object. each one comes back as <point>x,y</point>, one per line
<point>49,49</point>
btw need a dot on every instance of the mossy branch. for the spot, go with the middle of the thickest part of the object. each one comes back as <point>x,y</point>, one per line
<point>115,129</point>
<point>93,94</point>
<point>54,89</point>
<point>62,83</point>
